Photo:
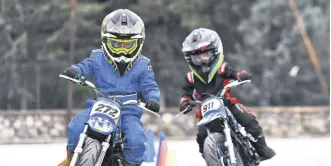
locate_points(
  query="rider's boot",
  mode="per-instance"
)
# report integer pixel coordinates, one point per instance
(262, 148)
(67, 161)
(244, 116)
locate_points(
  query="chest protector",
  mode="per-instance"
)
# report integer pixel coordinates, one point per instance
(218, 82)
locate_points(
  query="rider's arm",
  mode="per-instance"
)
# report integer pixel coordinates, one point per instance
(188, 88)
(231, 73)
(150, 89)
(85, 67)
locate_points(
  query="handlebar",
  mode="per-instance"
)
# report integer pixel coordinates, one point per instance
(140, 105)
(230, 85)
(84, 82)
(186, 110)
(80, 81)
(233, 84)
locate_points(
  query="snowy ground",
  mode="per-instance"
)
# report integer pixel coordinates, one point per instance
(290, 152)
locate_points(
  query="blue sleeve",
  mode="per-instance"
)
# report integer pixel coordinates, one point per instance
(149, 87)
(85, 67)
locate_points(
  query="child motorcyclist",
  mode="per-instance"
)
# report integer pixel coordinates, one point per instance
(119, 70)
(203, 50)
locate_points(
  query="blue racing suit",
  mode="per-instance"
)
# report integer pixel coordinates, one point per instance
(140, 78)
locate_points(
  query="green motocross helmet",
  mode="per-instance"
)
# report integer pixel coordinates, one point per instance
(203, 51)
(123, 34)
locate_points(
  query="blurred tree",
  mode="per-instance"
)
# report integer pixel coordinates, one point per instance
(35, 44)
(273, 45)
(258, 35)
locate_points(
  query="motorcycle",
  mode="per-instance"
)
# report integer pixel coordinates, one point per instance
(227, 143)
(100, 144)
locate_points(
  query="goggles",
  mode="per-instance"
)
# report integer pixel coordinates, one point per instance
(122, 46)
(205, 57)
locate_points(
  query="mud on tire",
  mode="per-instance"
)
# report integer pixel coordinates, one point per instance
(90, 153)
(211, 143)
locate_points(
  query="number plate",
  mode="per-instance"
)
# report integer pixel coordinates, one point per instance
(107, 108)
(210, 105)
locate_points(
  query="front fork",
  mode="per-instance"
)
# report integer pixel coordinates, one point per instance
(105, 145)
(228, 142)
(79, 148)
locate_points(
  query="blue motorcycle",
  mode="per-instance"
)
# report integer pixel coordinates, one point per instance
(100, 144)
(227, 143)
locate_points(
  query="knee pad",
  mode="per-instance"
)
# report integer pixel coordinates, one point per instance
(254, 129)
(242, 117)
(243, 109)
(89, 102)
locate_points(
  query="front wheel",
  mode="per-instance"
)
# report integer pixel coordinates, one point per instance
(214, 149)
(90, 153)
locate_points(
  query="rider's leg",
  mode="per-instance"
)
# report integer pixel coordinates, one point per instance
(248, 120)
(201, 136)
(134, 136)
(75, 127)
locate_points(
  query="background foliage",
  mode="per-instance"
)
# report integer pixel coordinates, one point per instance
(260, 36)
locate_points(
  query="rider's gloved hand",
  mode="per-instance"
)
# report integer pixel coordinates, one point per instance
(71, 72)
(153, 105)
(184, 105)
(243, 75)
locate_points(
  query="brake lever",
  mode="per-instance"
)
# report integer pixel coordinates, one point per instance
(188, 109)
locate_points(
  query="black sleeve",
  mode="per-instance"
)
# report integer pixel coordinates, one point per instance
(230, 72)
(188, 89)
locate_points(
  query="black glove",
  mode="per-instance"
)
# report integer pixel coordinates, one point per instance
(71, 72)
(243, 75)
(153, 105)
(184, 105)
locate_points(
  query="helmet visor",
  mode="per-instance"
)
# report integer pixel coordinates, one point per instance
(205, 57)
(124, 47)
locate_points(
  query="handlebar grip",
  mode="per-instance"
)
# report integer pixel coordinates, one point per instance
(189, 109)
(193, 103)
(185, 111)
